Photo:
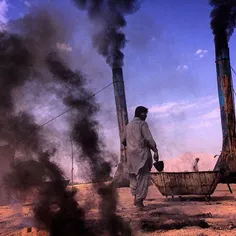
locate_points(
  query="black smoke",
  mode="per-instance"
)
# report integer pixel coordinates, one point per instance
(108, 17)
(55, 206)
(85, 134)
(223, 21)
(16, 68)
(16, 64)
(84, 125)
(114, 224)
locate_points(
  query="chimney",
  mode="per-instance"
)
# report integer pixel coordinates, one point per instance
(227, 109)
(121, 107)
(122, 116)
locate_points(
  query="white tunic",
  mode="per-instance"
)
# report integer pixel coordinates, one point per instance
(195, 166)
(139, 141)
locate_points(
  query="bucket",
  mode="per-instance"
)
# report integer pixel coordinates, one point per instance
(159, 165)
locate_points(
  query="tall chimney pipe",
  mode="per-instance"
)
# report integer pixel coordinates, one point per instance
(227, 159)
(122, 116)
(121, 107)
(119, 91)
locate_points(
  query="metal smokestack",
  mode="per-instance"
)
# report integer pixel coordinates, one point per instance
(122, 117)
(119, 91)
(227, 109)
(120, 99)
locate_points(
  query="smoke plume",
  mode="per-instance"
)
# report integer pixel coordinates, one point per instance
(16, 68)
(55, 206)
(114, 224)
(108, 19)
(84, 132)
(84, 126)
(223, 20)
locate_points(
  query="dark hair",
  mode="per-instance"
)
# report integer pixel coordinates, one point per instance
(139, 110)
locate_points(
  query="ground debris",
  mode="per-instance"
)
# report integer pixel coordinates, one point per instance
(160, 218)
(203, 215)
(151, 225)
(179, 216)
(228, 226)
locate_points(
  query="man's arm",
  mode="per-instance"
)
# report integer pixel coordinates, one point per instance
(148, 137)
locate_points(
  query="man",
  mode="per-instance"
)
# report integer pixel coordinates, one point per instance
(195, 165)
(138, 141)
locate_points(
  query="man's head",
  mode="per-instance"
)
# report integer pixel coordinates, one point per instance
(197, 159)
(141, 112)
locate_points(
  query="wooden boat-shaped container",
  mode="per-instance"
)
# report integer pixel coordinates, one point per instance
(186, 183)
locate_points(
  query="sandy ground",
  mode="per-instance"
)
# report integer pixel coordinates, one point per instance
(185, 216)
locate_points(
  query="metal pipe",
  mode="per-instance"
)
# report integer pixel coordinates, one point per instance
(121, 175)
(121, 107)
(227, 109)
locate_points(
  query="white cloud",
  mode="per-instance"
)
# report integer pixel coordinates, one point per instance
(201, 124)
(197, 110)
(188, 120)
(171, 107)
(183, 117)
(182, 68)
(27, 3)
(212, 115)
(200, 103)
(208, 119)
(64, 47)
(201, 52)
(208, 100)
(3, 13)
(162, 108)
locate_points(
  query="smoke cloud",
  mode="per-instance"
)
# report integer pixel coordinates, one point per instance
(22, 61)
(84, 131)
(223, 20)
(108, 19)
(114, 224)
(84, 126)
(20, 130)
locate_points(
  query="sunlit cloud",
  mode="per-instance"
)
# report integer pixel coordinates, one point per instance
(201, 52)
(182, 68)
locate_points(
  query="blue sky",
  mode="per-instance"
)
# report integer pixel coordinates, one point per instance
(169, 67)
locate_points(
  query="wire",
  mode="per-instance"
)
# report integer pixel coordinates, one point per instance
(235, 74)
(233, 70)
(66, 111)
(72, 162)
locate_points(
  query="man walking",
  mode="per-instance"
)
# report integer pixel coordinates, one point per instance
(138, 141)
(195, 165)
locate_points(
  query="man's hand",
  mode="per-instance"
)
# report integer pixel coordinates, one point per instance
(124, 142)
(156, 156)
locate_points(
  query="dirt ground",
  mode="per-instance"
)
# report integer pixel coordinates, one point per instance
(180, 216)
